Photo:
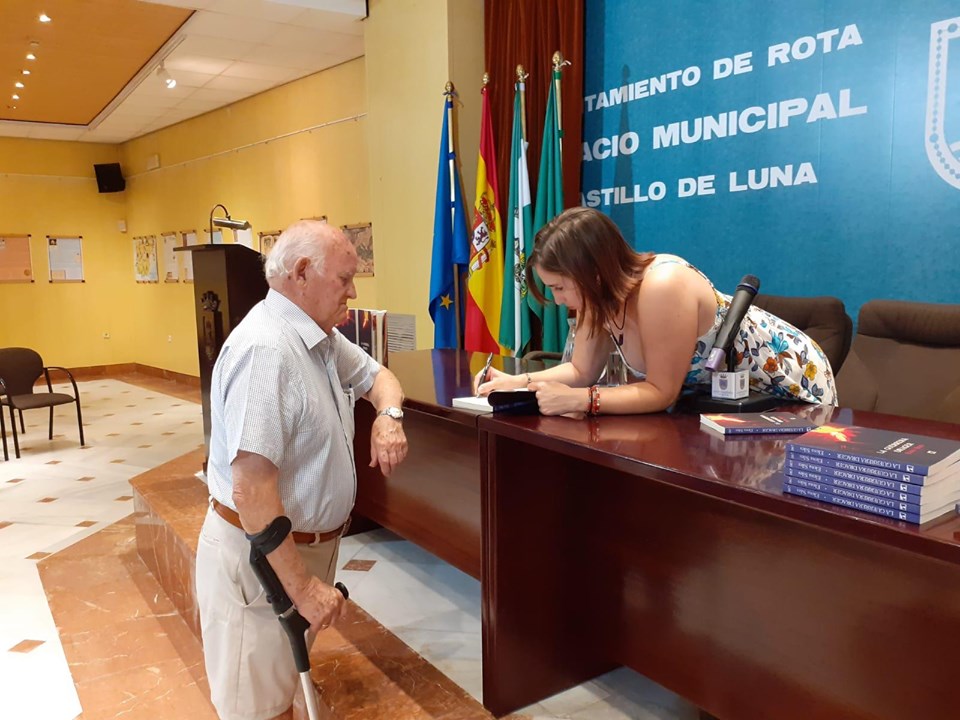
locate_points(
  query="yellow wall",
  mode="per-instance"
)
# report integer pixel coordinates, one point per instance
(373, 159)
(413, 49)
(48, 188)
(307, 174)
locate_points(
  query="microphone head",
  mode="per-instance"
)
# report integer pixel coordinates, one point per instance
(750, 283)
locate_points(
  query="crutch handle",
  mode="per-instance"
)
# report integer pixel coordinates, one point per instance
(293, 623)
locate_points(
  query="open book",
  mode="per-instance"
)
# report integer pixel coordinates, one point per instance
(515, 402)
(472, 403)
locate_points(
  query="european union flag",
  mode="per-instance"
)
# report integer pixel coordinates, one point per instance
(450, 244)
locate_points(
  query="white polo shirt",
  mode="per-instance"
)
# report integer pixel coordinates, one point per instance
(284, 389)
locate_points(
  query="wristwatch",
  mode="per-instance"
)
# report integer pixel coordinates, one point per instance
(393, 412)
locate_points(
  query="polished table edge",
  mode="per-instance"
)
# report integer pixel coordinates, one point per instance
(845, 521)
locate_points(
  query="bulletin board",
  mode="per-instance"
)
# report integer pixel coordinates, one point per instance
(66, 258)
(267, 241)
(361, 236)
(171, 268)
(145, 259)
(15, 263)
(189, 237)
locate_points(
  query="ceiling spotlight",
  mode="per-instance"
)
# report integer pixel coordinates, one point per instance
(18, 84)
(165, 77)
(25, 72)
(44, 18)
(31, 56)
(15, 97)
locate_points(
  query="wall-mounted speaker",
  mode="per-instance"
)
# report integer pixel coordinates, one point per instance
(109, 178)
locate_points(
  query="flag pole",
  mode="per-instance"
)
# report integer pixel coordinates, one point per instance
(450, 92)
(522, 86)
(558, 63)
(521, 81)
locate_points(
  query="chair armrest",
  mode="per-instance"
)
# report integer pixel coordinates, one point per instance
(46, 373)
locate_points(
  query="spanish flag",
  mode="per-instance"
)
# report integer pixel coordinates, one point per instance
(485, 269)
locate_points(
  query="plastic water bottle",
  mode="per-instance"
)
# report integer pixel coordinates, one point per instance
(568, 345)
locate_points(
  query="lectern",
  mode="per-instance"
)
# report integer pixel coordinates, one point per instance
(227, 281)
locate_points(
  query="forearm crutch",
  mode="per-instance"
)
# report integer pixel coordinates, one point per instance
(293, 623)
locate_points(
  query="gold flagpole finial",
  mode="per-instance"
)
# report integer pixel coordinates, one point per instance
(448, 88)
(486, 79)
(521, 75)
(558, 61)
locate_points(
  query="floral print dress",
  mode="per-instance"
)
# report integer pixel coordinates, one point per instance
(781, 359)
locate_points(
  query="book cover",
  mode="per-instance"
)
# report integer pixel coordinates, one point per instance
(877, 496)
(514, 402)
(797, 466)
(756, 423)
(828, 497)
(861, 469)
(904, 452)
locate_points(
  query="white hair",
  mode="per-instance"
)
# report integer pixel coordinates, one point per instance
(300, 240)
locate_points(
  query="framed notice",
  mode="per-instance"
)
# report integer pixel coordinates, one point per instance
(145, 259)
(267, 241)
(171, 268)
(362, 238)
(188, 237)
(66, 258)
(15, 259)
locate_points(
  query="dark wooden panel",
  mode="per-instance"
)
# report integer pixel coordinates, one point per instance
(546, 626)
(433, 497)
(652, 544)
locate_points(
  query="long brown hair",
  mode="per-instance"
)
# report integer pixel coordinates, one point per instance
(588, 247)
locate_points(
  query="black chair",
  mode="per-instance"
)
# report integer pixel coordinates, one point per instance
(542, 355)
(20, 368)
(3, 425)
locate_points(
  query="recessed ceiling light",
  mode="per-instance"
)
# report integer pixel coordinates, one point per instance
(16, 97)
(25, 72)
(18, 84)
(31, 56)
(44, 17)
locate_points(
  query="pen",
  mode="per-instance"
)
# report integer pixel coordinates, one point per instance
(483, 373)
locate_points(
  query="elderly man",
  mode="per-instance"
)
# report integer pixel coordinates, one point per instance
(282, 398)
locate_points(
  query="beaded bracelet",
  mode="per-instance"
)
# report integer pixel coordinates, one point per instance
(594, 408)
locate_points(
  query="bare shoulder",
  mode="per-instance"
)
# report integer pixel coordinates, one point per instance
(670, 275)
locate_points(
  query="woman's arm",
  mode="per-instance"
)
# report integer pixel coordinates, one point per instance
(668, 316)
(589, 356)
(668, 313)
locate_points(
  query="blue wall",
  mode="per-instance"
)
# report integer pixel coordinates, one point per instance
(881, 219)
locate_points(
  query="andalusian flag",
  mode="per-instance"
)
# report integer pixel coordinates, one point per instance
(449, 240)
(485, 278)
(514, 312)
(549, 205)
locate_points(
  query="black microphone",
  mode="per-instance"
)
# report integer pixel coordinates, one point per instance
(742, 299)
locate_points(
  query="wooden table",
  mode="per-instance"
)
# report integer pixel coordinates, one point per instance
(644, 541)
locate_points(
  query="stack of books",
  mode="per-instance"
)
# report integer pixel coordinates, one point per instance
(898, 475)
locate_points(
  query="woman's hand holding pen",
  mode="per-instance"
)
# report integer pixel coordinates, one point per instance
(497, 380)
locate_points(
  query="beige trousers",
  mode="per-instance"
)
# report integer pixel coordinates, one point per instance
(247, 655)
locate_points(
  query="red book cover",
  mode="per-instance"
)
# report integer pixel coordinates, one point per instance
(902, 451)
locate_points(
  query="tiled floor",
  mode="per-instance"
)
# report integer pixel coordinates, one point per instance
(58, 494)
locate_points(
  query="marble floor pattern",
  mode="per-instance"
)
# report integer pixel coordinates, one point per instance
(58, 494)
